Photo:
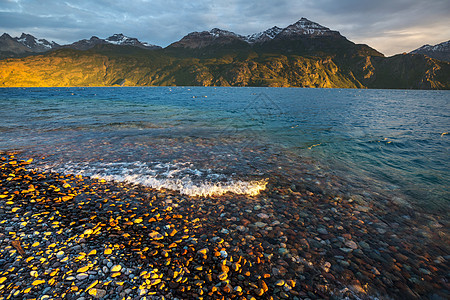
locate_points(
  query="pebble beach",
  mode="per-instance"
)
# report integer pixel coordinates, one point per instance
(66, 236)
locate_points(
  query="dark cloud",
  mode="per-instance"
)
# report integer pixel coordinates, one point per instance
(389, 26)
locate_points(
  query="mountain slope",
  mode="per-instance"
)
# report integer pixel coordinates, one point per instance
(107, 65)
(24, 45)
(403, 71)
(264, 36)
(304, 38)
(304, 54)
(102, 66)
(9, 46)
(440, 51)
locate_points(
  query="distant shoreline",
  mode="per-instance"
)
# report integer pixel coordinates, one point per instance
(193, 86)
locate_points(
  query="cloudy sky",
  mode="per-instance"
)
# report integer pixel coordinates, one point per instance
(390, 26)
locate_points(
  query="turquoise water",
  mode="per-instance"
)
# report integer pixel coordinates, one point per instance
(206, 140)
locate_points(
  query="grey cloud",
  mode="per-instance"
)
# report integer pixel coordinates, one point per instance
(383, 24)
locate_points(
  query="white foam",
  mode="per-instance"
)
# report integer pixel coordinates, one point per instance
(181, 177)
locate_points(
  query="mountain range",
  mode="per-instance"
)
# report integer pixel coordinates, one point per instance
(302, 28)
(27, 44)
(304, 54)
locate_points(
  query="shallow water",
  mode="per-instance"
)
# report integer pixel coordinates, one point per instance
(376, 143)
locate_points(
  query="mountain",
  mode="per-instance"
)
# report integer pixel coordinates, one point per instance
(120, 39)
(24, 45)
(302, 38)
(304, 54)
(116, 39)
(10, 45)
(215, 36)
(86, 44)
(305, 27)
(300, 29)
(36, 45)
(264, 36)
(27, 44)
(440, 51)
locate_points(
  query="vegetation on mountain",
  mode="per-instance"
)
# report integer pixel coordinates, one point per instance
(304, 54)
(109, 65)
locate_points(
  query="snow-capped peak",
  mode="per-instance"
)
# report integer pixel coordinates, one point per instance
(302, 27)
(445, 46)
(216, 32)
(440, 51)
(122, 40)
(36, 45)
(307, 27)
(263, 36)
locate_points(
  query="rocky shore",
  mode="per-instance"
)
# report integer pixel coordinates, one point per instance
(71, 237)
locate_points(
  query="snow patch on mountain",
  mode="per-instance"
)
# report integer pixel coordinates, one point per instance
(440, 51)
(306, 27)
(36, 45)
(303, 27)
(442, 47)
(263, 36)
(122, 40)
(216, 33)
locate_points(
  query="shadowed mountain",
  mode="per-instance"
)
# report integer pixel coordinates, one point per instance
(27, 45)
(304, 54)
(440, 51)
(116, 39)
(24, 45)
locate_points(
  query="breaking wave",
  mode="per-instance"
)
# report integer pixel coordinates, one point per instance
(182, 177)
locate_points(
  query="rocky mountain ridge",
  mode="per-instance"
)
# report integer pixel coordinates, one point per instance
(306, 27)
(116, 39)
(24, 45)
(440, 51)
(304, 54)
(301, 29)
(27, 44)
(36, 45)
(263, 36)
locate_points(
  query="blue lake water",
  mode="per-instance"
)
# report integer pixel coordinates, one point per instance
(203, 140)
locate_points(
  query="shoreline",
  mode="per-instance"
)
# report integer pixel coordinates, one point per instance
(72, 237)
(216, 86)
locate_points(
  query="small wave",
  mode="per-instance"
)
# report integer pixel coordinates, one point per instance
(182, 177)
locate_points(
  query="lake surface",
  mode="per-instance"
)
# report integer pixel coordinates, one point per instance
(377, 144)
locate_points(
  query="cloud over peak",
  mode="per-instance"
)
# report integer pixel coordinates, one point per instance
(389, 26)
